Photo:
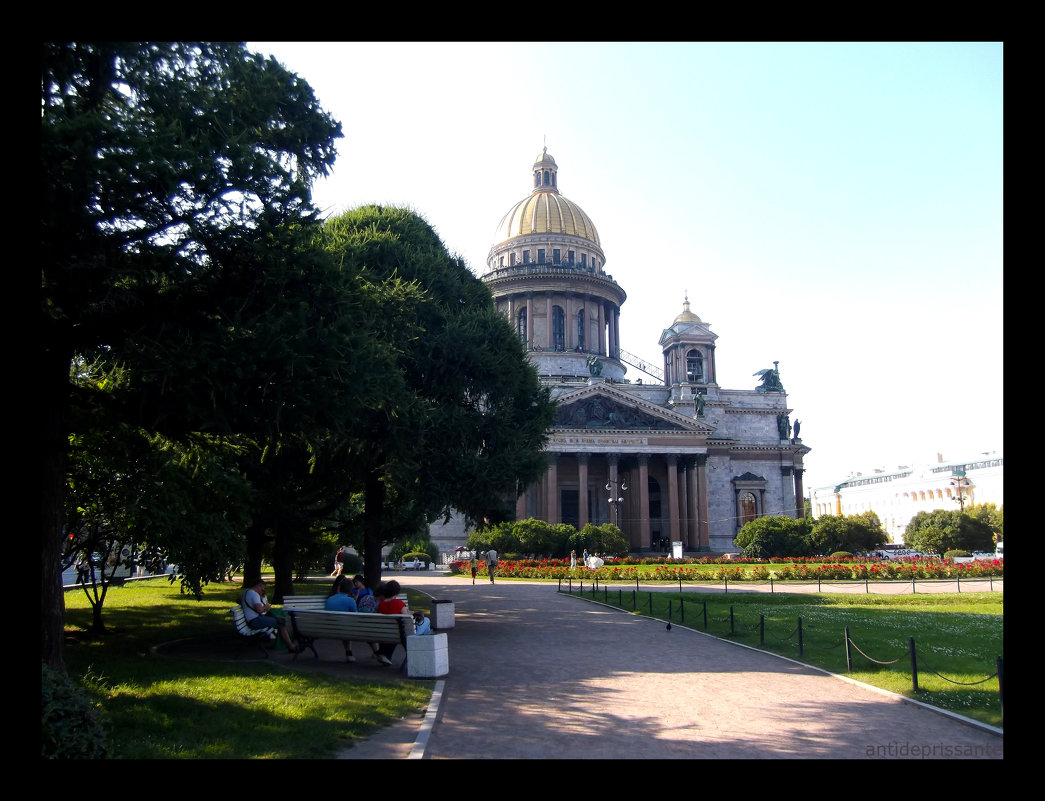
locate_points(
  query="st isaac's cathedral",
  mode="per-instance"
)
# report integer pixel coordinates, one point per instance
(670, 457)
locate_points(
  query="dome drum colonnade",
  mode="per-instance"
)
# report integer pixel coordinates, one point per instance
(546, 274)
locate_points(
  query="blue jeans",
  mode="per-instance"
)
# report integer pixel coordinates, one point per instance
(266, 622)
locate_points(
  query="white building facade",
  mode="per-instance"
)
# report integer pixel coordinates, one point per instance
(898, 496)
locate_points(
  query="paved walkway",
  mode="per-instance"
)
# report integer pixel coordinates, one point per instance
(535, 674)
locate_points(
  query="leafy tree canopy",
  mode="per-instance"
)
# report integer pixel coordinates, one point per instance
(766, 537)
(467, 422)
(853, 533)
(948, 530)
(172, 174)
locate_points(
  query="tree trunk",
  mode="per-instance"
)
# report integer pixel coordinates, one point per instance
(374, 503)
(97, 626)
(283, 564)
(55, 388)
(255, 547)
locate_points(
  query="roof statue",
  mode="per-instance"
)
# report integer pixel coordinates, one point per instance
(770, 380)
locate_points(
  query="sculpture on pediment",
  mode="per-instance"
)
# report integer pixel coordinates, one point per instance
(600, 412)
(595, 366)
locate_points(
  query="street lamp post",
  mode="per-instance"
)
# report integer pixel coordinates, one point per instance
(616, 490)
(962, 486)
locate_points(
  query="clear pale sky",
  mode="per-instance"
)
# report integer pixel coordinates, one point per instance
(836, 207)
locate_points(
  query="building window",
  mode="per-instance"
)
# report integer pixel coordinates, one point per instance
(511, 259)
(580, 330)
(569, 256)
(748, 508)
(526, 257)
(584, 260)
(521, 325)
(540, 255)
(558, 328)
(695, 367)
(556, 256)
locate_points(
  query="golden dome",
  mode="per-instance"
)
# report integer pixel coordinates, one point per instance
(545, 211)
(686, 316)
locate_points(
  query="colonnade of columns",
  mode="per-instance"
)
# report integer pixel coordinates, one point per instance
(606, 339)
(683, 513)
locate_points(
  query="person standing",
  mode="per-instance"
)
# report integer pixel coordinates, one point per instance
(475, 567)
(491, 563)
(573, 560)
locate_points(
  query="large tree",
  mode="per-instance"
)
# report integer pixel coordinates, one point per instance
(172, 177)
(943, 530)
(466, 424)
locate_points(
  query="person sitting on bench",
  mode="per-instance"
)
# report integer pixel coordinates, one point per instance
(256, 611)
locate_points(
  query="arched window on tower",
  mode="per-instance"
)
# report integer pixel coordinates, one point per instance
(695, 367)
(580, 330)
(558, 328)
(520, 324)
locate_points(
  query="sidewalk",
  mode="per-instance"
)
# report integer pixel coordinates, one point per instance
(538, 675)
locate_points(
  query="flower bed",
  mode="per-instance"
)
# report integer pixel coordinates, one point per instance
(707, 569)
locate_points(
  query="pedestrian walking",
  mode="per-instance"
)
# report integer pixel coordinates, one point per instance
(491, 563)
(475, 567)
(339, 562)
(573, 560)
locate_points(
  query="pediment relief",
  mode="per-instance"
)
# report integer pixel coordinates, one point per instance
(601, 409)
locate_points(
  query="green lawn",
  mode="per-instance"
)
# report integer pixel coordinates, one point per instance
(957, 637)
(160, 707)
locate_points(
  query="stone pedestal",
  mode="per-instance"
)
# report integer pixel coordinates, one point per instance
(427, 656)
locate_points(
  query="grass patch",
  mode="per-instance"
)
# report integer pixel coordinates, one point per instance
(160, 707)
(958, 637)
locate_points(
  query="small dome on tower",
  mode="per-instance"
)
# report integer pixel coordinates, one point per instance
(686, 316)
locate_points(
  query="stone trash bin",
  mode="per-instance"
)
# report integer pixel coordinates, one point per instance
(442, 615)
(427, 656)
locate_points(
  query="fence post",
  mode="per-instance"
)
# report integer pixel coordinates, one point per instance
(959, 583)
(799, 636)
(1001, 684)
(770, 585)
(634, 600)
(726, 581)
(914, 590)
(620, 597)
(731, 621)
(651, 603)
(680, 582)
(867, 588)
(914, 667)
(848, 653)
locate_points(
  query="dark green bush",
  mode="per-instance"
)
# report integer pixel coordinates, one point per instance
(71, 727)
